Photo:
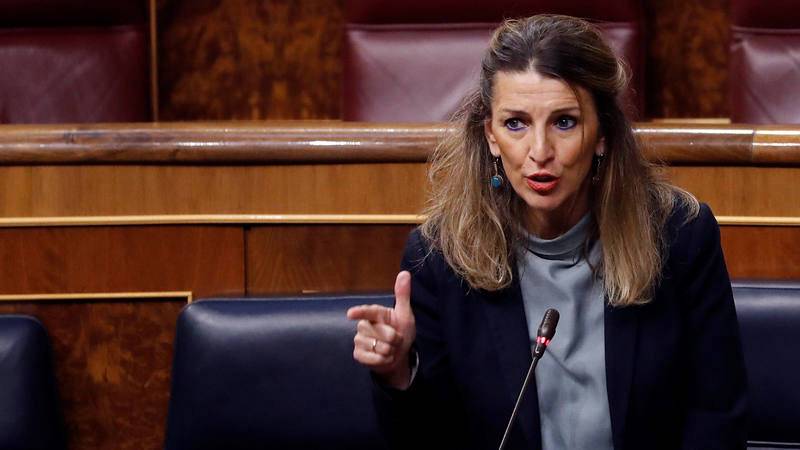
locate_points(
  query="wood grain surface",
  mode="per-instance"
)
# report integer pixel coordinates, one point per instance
(70, 191)
(324, 258)
(762, 252)
(112, 363)
(113, 357)
(687, 58)
(742, 191)
(249, 59)
(124, 190)
(205, 260)
(281, 59)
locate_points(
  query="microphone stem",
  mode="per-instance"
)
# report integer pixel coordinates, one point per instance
(519, 400)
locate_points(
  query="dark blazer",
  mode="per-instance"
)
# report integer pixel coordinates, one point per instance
(674, 367)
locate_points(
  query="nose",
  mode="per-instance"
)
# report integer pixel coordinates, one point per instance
(540, 148)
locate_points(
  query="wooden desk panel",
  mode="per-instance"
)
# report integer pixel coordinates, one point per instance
(762, 252)
(103, 190)
(112, 363)
(324, 258)
(742, 191)
(206, 260)
(113, 355)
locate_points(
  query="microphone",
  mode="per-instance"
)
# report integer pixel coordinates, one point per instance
(545, 333)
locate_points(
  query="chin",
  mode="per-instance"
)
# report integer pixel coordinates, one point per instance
(543, 203)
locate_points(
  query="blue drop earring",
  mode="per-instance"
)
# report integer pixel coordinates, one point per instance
(496, 181)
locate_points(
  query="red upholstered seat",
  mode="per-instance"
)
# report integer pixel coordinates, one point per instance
(765, 61)
(74, 61)
(415, 60)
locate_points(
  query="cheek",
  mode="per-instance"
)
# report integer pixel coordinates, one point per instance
(575, 158)
(512, 153)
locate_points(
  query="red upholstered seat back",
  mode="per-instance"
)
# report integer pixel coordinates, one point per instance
(765, 61)
(74, 61)
(415, 60)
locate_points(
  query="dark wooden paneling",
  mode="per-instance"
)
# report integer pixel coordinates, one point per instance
(113, 358)
(762, 252)
(112, 362)
(325, 258)
(206, 260)
(687, 58)
(271, 59)
(249, 59)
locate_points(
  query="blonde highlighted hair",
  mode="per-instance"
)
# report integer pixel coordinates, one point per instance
(478, 229)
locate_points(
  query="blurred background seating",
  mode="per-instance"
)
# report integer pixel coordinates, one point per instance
(414, 61)
(30, 414)
(74, 61)
(765, 61)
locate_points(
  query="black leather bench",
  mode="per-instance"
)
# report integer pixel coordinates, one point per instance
(30, 417)
(270, 373)
(769, 319)
(279, 373)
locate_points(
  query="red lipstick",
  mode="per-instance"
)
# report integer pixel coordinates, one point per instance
(542, 182)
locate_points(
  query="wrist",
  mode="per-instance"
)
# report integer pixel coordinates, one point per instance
(399, 377)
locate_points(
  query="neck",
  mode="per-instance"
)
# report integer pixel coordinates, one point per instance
(552, 224)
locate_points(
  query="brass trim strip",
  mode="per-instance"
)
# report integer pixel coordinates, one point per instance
(300, 219)
(189, 219)
(763, 221)
(96, 296)
(693, 120)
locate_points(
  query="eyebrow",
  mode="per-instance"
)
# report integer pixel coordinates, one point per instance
(519, 112)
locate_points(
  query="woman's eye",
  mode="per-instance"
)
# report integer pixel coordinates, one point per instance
(514, 124)
(566, 122)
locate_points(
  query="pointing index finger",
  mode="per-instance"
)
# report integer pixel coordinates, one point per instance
(372, 313)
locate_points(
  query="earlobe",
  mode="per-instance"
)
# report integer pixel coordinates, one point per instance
(487, 131)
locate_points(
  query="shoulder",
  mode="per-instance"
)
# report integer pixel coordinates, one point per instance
(426, 262)
(684, 222)
(691, 233)
(420, 255)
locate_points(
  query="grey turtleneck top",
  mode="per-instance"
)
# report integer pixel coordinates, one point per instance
(571, 376)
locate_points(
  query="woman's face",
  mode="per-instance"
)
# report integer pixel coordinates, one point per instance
(545, 137)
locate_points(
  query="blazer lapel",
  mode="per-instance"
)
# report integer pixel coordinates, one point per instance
(621, 326)
(505, 314)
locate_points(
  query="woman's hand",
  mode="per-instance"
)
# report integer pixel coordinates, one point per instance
(385, 335)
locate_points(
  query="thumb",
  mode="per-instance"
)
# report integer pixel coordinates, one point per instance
(402, 295)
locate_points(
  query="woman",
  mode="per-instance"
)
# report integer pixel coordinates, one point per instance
(543, 199)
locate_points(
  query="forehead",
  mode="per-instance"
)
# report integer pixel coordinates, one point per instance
(531, 89)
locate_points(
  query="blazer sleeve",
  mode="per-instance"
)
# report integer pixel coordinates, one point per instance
(428, 413)
(715, 372)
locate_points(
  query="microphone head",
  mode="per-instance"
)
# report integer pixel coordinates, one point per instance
(548, 327)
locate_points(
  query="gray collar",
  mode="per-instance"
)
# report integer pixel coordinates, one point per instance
(563, 247)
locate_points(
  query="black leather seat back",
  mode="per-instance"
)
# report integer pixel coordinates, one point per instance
(270, 373)
(30, 416)
(769, 319)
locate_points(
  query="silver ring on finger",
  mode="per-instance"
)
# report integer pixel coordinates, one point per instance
(374, 344)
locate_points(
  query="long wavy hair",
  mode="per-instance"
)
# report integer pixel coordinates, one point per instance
(478, 229)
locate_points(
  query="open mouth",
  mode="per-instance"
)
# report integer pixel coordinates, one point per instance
(542, 183)
(543, 178)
